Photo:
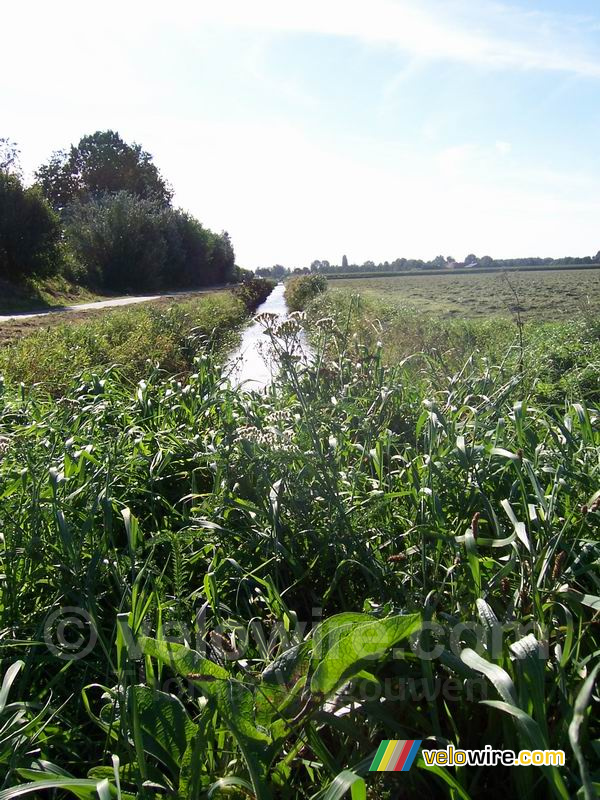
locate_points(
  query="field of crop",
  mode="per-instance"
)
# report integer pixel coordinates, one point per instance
(208, 593)
(542, 294)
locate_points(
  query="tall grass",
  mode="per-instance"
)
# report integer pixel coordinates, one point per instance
(167, 335)
(221, 593)
(559, 359)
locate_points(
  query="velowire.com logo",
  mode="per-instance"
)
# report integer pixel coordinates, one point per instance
(395, 755)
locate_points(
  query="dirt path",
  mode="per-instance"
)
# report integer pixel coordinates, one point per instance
(100, 304)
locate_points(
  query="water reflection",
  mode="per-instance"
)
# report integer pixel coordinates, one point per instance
(251, 365)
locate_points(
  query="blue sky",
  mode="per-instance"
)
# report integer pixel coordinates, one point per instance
(377, 129)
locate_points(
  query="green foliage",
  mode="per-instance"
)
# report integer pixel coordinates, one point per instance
(272, 583)
(195, 255)
(128, 338)
(9, 157)
(127, 243)
(119, 240)
(102, 163)
(560, 359)
(277, 272)
(29, 232)
(119, 231)
(301, 290)
(253, 291)
(252, 708)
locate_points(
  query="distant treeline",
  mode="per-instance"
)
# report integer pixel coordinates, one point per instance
(278, 273)
(100, 213)
(448, 263)
(387, 268)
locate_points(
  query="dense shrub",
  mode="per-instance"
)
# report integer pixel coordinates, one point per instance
(128, 243)
(101, 214)
(168, 334)
(300, 291)
(29, 232)
(296, 539)
(118, 240)
(254, 291)
(190, 250)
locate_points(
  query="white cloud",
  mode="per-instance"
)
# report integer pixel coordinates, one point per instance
(486, 33)
(503, 148)
(428, 29)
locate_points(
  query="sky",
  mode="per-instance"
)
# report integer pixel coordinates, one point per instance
(308, 130)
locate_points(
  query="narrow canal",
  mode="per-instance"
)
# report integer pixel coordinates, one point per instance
(251, 365)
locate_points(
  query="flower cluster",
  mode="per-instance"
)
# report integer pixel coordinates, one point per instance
(4, 446)
(275, 433)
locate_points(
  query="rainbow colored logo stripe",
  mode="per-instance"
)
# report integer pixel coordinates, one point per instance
(395, 755)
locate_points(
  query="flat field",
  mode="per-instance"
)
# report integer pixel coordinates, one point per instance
(543, 294)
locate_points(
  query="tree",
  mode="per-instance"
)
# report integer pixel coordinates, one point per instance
(278, 271)
(222, 259)
(102, 163)
(190, 249)
(344, 262)
(471, 259)
(129, 243)
(9, 157)
(120, 242)
(29, 232)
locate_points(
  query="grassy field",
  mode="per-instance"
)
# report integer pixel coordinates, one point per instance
(541, 294)
(44, 294)
(208, 593)
(49, 350)
(16, 329)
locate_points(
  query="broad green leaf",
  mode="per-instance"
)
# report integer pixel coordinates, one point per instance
(182, 660)
(165, 725)
(362, 641)
(232, 699)
(281, 682)
(330, 630)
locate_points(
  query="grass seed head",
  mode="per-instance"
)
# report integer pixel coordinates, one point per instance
(558, 565)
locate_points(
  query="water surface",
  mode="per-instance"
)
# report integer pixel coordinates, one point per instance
(251, 365)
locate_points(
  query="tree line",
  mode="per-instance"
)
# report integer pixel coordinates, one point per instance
(101, 214)
(279, 273)
(447, 262)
